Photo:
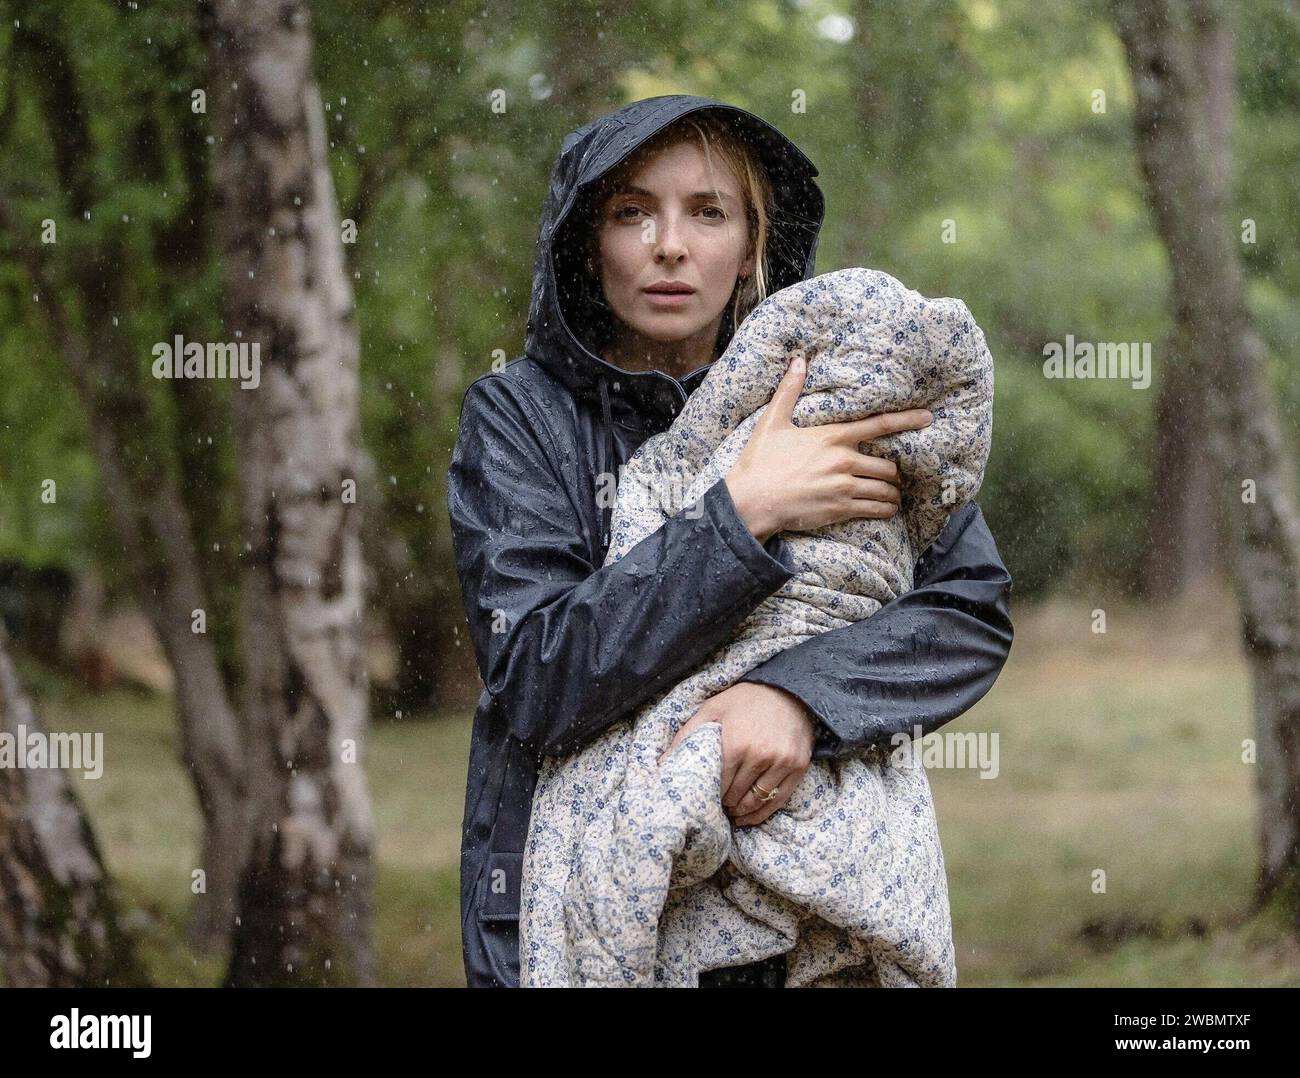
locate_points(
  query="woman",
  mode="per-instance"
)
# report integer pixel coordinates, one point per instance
(665, 223)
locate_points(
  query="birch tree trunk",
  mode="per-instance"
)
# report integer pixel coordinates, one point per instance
(58, 912)
(1182, 137)
(306, 892)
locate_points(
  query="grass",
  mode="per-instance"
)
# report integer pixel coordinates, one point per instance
(146, 821)
(1119, 753)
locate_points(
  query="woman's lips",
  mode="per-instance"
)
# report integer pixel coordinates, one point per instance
(668, 299)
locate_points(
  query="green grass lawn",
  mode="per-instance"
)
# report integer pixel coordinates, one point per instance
(147, 823)
(1119, 753)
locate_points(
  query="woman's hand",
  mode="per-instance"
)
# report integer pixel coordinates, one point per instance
(767, 738)
(790, 478)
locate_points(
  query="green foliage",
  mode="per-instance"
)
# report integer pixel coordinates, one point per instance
(969, 111)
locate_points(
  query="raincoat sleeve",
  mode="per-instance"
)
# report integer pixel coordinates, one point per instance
(920, 660)
(568, 646)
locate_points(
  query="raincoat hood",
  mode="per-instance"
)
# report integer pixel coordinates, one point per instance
(587, 154)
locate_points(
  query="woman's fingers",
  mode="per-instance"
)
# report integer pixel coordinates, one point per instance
(745, 775)
(854, 431)
(788, 391)
(874, 510)
(875, 490)
(752, 809)
(869, 467)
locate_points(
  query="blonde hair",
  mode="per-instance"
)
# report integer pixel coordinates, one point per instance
(756, 190)
(716, 136)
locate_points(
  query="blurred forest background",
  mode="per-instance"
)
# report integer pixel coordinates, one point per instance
(1016, 123)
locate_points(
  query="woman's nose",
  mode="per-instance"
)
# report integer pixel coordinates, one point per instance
(668, 242)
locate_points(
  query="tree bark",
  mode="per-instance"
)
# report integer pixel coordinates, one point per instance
(1184, 528)
(1183, 535)
(58, 911)
(305, 898)
(1181, 143)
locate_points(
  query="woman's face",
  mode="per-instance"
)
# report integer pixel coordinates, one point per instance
(665, 223)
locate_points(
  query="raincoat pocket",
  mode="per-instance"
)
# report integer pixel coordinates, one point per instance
(499, 898)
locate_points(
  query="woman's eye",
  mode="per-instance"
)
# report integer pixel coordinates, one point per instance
(722, 214)
(623, 209)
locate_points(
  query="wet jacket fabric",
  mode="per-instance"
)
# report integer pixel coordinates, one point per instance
(567, 646)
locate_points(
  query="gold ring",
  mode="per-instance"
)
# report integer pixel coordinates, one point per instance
(763, 795)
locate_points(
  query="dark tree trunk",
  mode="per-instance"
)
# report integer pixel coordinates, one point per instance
(1183, 536)
(1182, 531)
(1181, 143)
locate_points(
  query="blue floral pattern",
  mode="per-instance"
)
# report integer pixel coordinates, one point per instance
(633, 873)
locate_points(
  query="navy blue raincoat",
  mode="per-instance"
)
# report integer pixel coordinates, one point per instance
(566, 647)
